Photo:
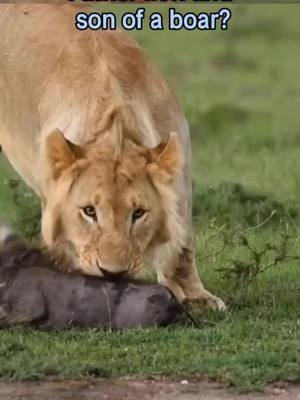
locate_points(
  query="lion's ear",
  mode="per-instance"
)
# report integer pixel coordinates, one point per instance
(165, 159)
(61, 153)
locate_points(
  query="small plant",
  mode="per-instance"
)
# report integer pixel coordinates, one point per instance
(258, 260)
(253, 259)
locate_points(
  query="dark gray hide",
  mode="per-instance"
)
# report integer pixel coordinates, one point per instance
(34, 294)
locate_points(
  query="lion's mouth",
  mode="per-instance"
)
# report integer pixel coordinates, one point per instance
(118, 275)
(114, 275)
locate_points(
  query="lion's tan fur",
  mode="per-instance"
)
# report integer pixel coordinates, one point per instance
(118, 114)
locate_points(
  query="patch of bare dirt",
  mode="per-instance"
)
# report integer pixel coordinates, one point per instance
(132, 389)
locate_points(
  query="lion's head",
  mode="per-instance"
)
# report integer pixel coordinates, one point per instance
(108, 208)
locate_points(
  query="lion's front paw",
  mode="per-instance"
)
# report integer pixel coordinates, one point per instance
(215, 303)
(208, 300)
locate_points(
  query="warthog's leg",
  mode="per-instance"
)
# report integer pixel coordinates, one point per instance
(3, 313)
(22, 309)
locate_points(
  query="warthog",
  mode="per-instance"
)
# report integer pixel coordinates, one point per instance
(34, 293)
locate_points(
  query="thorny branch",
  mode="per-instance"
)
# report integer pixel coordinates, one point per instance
(246, 271)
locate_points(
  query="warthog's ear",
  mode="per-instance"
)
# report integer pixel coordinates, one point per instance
(165, 159)
(60, 153)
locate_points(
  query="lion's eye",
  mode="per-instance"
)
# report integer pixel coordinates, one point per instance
(138, 213)
(90, 211)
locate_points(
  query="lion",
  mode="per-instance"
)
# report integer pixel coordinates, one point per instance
(92, 127)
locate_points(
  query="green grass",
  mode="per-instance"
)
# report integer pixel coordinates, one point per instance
(241, 92)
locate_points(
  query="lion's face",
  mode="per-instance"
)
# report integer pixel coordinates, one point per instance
(107, 211)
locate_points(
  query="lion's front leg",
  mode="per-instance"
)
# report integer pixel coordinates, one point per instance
(180, 275)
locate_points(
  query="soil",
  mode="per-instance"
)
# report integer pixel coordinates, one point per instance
(135, 389)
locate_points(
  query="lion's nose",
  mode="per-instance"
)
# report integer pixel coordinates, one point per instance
(114, 275)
